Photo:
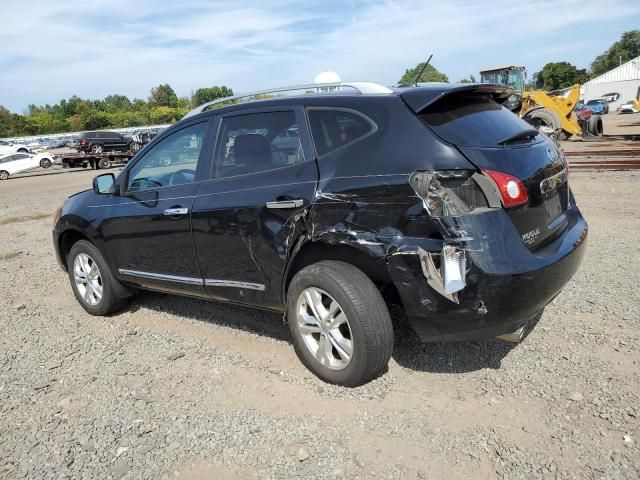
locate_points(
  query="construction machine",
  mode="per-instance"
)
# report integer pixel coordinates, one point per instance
(551, 114)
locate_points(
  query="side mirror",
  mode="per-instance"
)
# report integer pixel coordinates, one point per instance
(104, 184)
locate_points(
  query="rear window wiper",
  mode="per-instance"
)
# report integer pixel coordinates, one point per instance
(522, 135)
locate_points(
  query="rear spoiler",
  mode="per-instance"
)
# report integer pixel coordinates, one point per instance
(419, 98)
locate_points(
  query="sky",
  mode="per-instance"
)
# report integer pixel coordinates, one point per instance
(92, 48)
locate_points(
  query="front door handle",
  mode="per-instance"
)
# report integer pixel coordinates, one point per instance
(176, 211)
(286, 204)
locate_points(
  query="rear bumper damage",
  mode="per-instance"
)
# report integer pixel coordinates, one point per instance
(484, 286)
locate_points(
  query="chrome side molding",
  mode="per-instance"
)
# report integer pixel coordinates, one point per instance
(162, 276)
(211, 282)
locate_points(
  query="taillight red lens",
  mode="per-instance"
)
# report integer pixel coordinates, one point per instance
(511, 189)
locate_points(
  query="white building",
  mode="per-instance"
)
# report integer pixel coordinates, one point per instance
(618, 85)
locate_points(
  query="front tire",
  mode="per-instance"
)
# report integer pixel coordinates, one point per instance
(91, 280)
(45, 163)
(4, 174)
(339, 322)
(23, 150)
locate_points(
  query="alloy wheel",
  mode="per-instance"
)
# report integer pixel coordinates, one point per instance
(324, 328)
(88, 279)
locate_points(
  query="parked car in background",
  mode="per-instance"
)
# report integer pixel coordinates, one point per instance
(13, 163)
(628, 107)
(434, 200)
(98, 142)
(605, 104)
(598, 106)
(9, 147)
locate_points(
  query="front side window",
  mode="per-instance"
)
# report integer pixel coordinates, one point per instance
(171, 162)
(257, 142)
(332, 129)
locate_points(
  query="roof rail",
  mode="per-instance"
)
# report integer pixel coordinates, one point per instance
(364, 88)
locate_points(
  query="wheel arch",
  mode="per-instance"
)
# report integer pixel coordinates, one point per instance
(307, 252)
(67, 239)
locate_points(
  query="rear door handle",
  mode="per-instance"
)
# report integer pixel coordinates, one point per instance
(286, 204)
(176, 211)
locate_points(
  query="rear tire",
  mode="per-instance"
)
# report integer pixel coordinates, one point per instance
(104, 163)
(4, 174)
(364, 332)
(594, 127)
(544, 120)
(23, 150)
(91, 280)
(96, 148)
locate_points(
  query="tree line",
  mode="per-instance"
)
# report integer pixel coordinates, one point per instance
(114, 111)
(164, 106)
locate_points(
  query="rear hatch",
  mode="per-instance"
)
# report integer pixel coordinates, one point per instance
(494, 139)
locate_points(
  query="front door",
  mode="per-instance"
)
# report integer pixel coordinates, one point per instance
(147, 229)
(244, 219)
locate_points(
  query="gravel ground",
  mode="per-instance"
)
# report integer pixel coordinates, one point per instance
(180, 388)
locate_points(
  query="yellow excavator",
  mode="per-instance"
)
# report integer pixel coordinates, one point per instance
(551, 114)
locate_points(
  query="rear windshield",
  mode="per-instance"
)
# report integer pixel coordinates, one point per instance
(472, 120)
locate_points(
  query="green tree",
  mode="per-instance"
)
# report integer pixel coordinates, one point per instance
(557, 75)
(625, 49)
(204, 95)
(163, 96)
(6, 122)
(114, 103)
(430, 74)
(164, 114)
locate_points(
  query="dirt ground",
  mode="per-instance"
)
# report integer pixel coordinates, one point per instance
(180, 388)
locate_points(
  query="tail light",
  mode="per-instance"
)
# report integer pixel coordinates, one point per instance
(511, 189)
(83, 141)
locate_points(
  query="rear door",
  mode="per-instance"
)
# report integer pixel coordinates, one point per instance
(495, 139)
(246, 218)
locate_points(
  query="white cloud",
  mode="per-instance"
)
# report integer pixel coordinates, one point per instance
(55, 49)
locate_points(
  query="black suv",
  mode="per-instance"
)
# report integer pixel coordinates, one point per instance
(98, 142)
(434, 198)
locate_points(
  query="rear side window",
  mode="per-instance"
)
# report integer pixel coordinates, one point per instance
(332, 129)
(472, 120)
(257, 142)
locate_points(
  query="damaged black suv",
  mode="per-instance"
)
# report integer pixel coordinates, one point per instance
(330, 204)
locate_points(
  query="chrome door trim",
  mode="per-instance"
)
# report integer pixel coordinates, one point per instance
(161, 276)
(211, 282)
(176, 211)
(285, 204)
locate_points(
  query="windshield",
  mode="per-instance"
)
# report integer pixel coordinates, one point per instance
(594, 102)
(512, 78)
